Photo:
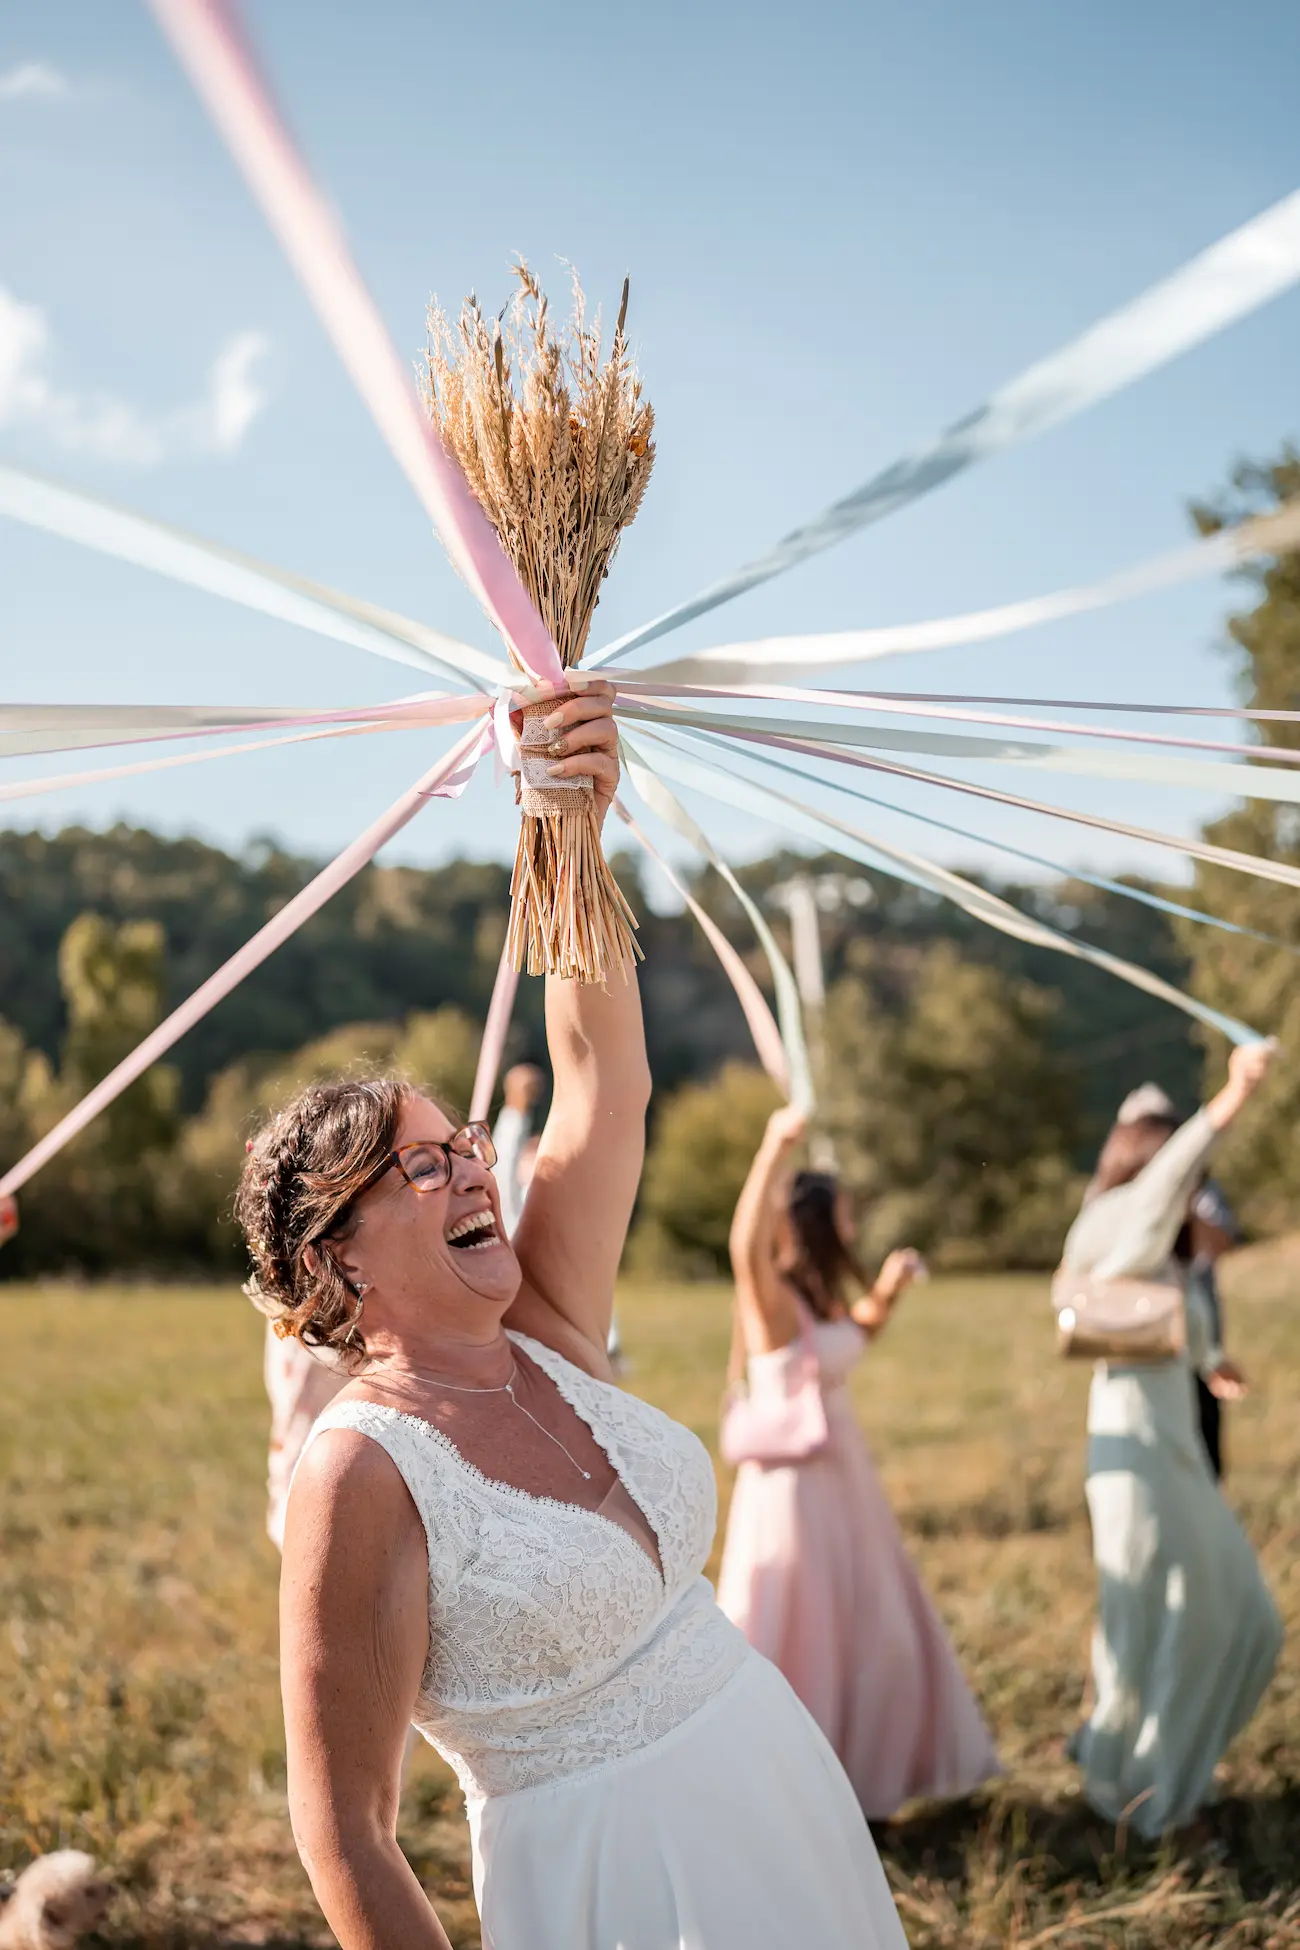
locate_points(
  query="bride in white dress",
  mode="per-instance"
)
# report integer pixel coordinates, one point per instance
(488, 1539)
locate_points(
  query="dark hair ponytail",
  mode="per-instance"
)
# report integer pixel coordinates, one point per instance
(823, 1267)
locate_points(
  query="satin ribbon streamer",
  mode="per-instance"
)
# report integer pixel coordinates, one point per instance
(1142, 895)
(1243, 711)
(209, 43)
(495, 1031)
(28, 730)
(1219, 856)
(76, 781)
(447, 779)
(656, 795)
(762, 1023)
(719, 782)
(1225, 283)
(185, 558)
(1245, 781)
(766, 657)
(922, 706)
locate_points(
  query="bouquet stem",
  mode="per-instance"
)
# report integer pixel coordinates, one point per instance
(568, 916)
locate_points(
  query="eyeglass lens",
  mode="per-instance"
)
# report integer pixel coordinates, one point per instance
(428, 1166)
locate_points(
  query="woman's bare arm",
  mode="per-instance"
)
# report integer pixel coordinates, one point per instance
(354, 1631)
(571, 1236)
(575, 1221)
(766, 1310)
(873, 1310)
(1247, 1067)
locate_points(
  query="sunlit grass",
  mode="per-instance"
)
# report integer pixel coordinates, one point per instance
(139, 1711)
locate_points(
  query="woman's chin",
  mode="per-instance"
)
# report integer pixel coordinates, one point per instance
(490, 1272)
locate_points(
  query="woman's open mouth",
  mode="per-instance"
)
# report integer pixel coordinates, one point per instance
(472, 1233)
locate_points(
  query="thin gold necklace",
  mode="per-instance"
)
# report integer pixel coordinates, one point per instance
(506, 1387)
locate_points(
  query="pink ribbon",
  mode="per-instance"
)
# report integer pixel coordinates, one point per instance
(403, 714)
(762, 1023)
(445, 780)
(679, 695)
(495, 1030)
(1222, 856)
(208, 40)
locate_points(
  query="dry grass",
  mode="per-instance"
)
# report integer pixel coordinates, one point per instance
(138, 1706)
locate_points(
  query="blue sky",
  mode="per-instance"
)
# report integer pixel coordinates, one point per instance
(845, 224)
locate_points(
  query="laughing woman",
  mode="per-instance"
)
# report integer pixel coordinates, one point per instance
(488, 1539)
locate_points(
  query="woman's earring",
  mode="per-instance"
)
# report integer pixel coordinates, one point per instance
(357, 1312)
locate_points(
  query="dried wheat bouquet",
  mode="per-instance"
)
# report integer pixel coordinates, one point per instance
(555, 444)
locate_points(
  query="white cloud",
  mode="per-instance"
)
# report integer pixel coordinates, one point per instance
(234, 397)
(110, 428)
(34, 81)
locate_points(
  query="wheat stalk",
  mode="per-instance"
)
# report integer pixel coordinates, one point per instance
(556, 445)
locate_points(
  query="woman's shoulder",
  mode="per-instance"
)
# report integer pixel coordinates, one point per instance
(366, 1465)
(359, 1441)
(349, 1469)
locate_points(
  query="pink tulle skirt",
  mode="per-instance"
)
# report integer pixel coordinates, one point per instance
(815, 1574)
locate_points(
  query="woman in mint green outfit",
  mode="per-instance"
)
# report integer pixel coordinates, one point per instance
(1186, 1635)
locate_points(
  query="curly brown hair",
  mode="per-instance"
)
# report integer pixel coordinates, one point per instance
(301, 1175)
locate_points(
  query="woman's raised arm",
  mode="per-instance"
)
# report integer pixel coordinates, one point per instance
(766, 1311)
(570, 1238)
(575, 1219)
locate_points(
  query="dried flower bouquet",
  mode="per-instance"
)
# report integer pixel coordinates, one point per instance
(556, 446)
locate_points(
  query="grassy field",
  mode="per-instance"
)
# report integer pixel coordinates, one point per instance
(139, 1714)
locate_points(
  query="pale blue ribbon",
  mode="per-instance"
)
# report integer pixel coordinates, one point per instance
(1215, 289)
(674, 756)
(1140, 894)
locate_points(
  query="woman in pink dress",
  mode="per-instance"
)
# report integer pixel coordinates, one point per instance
(814, 1570)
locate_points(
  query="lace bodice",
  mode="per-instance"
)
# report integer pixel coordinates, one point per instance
(554, 1643)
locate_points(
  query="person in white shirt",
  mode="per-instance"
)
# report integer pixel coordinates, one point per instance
(298, 1385)
(515, 1146)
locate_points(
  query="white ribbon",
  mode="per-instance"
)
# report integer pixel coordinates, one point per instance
(76, 781)
(1229, 778)
(199, 564)
(1220, 856)
(788, 1008)
(1223, 284)
(446, 779)
(1123, 889)
(779, 809)
(762, 1023)
(768, 657)
(27, 730)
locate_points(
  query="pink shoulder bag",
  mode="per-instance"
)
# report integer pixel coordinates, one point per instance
(785, 1421)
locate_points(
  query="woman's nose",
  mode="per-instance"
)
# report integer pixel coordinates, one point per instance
(466, 1173)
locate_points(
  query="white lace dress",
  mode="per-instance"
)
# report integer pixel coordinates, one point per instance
(637, 1778)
